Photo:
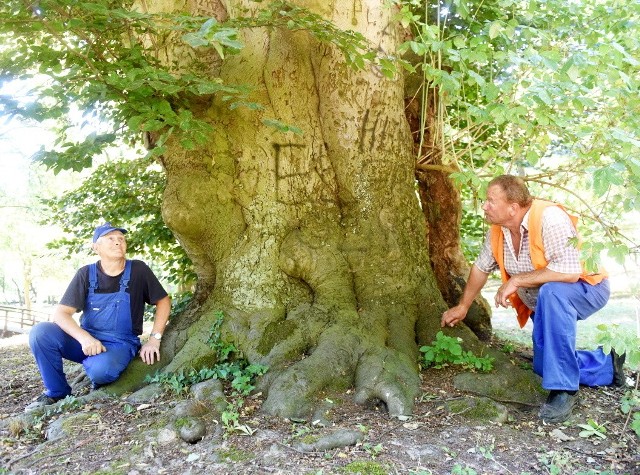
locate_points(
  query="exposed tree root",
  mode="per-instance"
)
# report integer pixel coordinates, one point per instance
(293, 392)
(344, 360)
(389, 376)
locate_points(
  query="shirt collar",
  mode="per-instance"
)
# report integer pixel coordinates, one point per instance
(524, 225)
(525, 220)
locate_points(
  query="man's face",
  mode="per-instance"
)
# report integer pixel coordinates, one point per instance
(497, 210)
(112, 245)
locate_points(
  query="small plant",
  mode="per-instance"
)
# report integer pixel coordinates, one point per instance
(592, 429)
(362, 428)
(68, 403)
(460, 470)
(508, 348)
(178, 382)
(612, 337)
(635, 424)
(373, 450)
(556, 463)
(487, 452)
(300, 431)
(447, 350)
(223, 349)
(428, 397)
(17, 427)
(230, 366)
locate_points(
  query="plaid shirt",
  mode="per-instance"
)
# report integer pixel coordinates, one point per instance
(560, 254)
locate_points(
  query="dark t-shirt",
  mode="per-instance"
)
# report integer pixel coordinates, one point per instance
(144, 288)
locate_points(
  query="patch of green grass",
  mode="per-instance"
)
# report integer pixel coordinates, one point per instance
(365, 467)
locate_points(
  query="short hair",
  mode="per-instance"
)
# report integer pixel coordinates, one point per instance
(514, 188)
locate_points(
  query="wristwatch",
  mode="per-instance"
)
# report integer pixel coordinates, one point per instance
(157, 336)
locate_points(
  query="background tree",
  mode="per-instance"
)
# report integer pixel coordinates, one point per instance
(28, 270)
(288, 156)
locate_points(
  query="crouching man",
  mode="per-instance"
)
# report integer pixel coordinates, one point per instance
(532, 243)
(112, 294)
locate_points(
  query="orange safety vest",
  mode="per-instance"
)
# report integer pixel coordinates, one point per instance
(536, 250)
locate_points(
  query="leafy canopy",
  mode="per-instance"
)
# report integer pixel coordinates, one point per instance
(103, 59)
(548, 89)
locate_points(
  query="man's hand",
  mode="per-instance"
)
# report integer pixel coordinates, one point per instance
(91, 346)
(504, 292)
(454, 315)
(150, 351)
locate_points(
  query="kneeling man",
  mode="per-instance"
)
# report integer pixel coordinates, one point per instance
(533, 243)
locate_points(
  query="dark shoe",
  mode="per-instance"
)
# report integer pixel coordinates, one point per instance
(43, 400)
(619, 379)
(558, 406)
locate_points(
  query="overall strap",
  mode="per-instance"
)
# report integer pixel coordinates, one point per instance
(93, 277)
(124, 281)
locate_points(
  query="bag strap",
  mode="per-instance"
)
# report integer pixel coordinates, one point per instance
(124, 281)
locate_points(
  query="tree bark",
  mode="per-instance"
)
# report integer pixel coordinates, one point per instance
(441, 201)
(313, 245)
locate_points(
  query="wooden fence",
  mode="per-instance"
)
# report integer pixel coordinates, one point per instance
(20, 320)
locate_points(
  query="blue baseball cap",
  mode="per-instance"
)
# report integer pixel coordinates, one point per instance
(106, 228)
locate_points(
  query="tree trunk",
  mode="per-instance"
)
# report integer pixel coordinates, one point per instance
(441, 202)
(443, 211)
(312, 245)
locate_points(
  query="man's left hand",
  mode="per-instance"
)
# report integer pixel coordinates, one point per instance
(504, 292)
(150, 351)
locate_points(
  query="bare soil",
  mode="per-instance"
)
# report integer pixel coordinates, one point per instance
(119, 438)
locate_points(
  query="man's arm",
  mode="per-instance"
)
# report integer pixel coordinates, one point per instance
(474, 285)
(151, 349)
(530, 279)
(63, 317)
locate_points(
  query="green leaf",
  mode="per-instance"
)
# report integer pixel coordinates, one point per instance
(495, 29)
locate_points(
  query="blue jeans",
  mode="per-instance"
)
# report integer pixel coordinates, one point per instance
(559, 307)
(50, 345)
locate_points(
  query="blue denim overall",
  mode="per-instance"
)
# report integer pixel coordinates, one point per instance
(559, 307)
(106, 317)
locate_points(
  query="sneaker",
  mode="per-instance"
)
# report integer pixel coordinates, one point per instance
(619, 379)
(558, 407)
(43, 400)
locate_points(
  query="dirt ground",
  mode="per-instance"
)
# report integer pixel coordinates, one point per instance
(116, 437)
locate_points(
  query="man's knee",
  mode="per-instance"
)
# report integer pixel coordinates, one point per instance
(102, 375)
(551, 289)
(43, 333)
(106, 367)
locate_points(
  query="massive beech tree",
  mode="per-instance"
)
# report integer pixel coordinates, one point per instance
(311, 243)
